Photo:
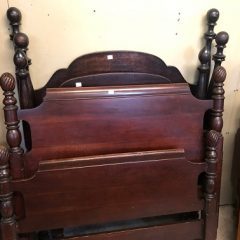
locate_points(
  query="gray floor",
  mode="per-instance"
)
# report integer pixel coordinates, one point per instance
(226, 228)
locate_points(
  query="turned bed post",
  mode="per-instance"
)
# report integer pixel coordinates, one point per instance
(21, 61)
(205, 55)
(13, 136)
(221, 41)
(8, 223)
(213, 156)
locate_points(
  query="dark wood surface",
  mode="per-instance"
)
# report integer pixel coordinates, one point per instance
(113, 68)
(93, 121)
(131, 143)
(105, 189)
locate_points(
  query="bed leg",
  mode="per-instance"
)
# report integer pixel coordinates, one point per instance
(211, 208)
(212, 157)
(7, 224)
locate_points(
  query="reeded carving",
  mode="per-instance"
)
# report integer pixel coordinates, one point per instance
(212, 138)
(13, 136)
(7, 82)
(218, 78)
(210, 187)
(7, 223)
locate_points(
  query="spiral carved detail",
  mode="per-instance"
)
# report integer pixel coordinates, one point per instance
(219, 74)
(4, 155)
(7, 82)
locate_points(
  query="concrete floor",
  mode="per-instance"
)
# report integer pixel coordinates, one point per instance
(226, 227)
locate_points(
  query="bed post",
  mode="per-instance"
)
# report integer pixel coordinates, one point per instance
(221, 40)
(7, 83)
(7, 223)
(213, 157)
(21, 61)
(205, 55)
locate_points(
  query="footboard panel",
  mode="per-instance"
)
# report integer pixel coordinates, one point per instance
(108, 188)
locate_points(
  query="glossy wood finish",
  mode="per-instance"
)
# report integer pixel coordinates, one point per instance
(8, 223)
(112, 69)
(13, 136)
(21, 60)
(105, 189)
(132, 143)
(205, 54)
(236, 181)
(97, 121)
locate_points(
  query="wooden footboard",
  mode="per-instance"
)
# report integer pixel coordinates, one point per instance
(110, 188)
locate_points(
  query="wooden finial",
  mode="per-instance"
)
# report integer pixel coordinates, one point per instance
(21, 41)
(14, 16)
(221, 40)
(21, 60)
(212, 17)
(13, 135)
(202, 85)
(7, 223)
(205, 55)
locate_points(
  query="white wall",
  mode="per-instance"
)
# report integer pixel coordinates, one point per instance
(61, 30)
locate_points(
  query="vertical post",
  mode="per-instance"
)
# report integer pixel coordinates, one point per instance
(212, 139)
(7, 83)
(15, 17)
(212, 17)
(21, 61)
(205, 55)
(221, 40)
(218, 78)
(213, 156)
(7, 223)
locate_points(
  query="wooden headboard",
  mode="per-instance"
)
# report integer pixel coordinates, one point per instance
(115, 137)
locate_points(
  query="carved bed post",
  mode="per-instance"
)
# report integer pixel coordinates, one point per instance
(221, 40)
(21, 61)
(205, 54)
(7, 83)
(213, 156)
(7, 224)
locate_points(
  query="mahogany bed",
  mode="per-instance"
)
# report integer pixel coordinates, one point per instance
(134, 152)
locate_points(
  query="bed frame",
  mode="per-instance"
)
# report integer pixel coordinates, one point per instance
(134, 153)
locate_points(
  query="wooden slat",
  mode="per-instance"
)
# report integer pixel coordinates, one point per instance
(180, 231)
